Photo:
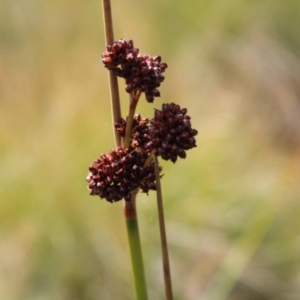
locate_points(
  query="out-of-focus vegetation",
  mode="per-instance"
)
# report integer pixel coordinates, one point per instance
(232, 207)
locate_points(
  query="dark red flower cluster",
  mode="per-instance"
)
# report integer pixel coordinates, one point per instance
(140, 132)
(171, 133)
(115, 175)
(118, 54)
(141, 72)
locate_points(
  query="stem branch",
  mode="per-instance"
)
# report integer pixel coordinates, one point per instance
(134, 99)
(163, 236)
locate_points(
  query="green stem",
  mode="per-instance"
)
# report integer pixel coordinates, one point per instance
(130, 211)
(135, 248)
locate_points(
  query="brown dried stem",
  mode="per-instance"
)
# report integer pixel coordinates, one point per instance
(134, 98)
(113, 81)
(163, 236)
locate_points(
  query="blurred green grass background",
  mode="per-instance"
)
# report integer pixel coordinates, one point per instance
(232, 207)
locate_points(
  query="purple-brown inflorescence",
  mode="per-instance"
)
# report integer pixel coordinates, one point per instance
(118, 54)
(141, 72)
(140, 132)
(171, 132)
(115, 175)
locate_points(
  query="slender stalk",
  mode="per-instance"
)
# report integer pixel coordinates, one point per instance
(134, 99)
(129, 206)
(113, 81)
(163, 236)
(135, 247)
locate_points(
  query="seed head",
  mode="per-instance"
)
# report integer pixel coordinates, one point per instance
(171, 133)
(140, 132)
(115, 175)
(141, 72)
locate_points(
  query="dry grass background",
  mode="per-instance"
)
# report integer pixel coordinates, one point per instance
(232, 207)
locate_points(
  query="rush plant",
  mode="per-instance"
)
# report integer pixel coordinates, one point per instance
(132, 166)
